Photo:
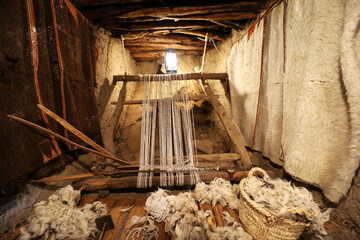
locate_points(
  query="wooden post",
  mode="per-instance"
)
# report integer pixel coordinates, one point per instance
(108, 133)
(229, 125)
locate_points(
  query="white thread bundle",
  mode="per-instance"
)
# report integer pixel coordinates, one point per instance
(166, 101)
(157, 205)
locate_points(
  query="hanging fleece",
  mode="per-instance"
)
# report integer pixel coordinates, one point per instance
(60, 217)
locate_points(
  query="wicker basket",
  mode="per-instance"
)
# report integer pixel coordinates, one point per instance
(261, 224)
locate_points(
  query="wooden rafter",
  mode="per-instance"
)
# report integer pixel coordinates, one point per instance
(162, 12)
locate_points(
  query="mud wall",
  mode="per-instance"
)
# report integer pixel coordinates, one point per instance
(19, 146)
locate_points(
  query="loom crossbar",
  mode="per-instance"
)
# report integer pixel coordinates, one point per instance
(179, 77)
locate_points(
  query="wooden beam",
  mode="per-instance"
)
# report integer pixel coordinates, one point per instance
(229, 125)
(171, 38)
(73, 130)
(217, 16)
(145, 56)
(145, 47)
(159, 25)
(130, 182)
(164, 44)
(202, 33)
(51, 133)
(161, 12)
(140, 101)
(185, 76)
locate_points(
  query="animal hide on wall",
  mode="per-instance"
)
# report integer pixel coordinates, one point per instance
(304, 110)
(244, 66)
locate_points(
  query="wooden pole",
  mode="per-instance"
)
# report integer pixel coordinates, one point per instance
(73, 130)
(229, 125)
(51, 133)
(130, 182)
(179, 77)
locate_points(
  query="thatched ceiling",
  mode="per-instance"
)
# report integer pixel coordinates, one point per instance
(150, 27)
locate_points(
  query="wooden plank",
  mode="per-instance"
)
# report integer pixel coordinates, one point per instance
(207, 207)
(229, 125)
(51, 133)
(218, 210)
(186, 76)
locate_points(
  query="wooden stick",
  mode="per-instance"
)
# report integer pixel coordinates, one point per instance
(72, 129)
(229, 125)
(51, 133)
(180, 77)
(96, 172)
(130, 182)
(61, 178)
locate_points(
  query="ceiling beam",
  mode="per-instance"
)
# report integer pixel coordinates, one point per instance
(202, 33)
(159, 25)
(170, 38)
(162, 12)
(152, 55)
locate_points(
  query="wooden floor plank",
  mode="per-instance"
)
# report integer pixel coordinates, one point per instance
(233, 214)
(86, 200)
(218, 210)
(206, 207)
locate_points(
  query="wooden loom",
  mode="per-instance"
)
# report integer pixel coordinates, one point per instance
(224, 116)
(241, 156)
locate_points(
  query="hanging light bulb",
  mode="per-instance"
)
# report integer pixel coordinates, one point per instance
(170, 61)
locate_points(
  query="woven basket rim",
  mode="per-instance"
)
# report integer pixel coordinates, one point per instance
(270, 216)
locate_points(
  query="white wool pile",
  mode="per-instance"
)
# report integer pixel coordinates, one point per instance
(278, 196)
(218, 191)
(60, 217)
(232, 231)
(184, 220)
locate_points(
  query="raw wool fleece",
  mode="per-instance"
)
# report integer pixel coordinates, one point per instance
(218, 191)
(304, 110)
(60, 216)
(183, 221)
(279, 196)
